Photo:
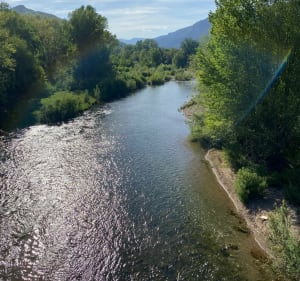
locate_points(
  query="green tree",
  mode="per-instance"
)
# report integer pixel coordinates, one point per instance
(249, 88)
(20, 70)
(189, 46)
(87, 28)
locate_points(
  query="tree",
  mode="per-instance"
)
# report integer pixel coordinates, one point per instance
(20, 69)
(7, 67)
(189, 47)
(249, 88)
(4, 6)
(95, 66)
(87, 28)
(52, 34)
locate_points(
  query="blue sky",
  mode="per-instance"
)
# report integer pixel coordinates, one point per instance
(132, 18)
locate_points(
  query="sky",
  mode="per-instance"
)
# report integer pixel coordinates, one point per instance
(132, 18)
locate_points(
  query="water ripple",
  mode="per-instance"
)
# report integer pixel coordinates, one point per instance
(116, 194)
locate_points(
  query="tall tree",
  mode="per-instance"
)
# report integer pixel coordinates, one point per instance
(87, 28)
(249, 41)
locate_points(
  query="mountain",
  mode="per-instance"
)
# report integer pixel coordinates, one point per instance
(174, 39)
(131, 41)
(21, 9)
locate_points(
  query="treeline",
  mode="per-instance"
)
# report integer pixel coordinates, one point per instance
(52, 69)
(249, 101)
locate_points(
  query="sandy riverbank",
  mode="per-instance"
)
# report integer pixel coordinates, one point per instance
(255, 213)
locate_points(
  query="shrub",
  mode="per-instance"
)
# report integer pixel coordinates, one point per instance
(285, 242)
(182, 75)
(157, 78)
(62, 106)
(249, 184)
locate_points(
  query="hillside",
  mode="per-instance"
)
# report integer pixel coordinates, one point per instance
(21, 9)
(174, 39)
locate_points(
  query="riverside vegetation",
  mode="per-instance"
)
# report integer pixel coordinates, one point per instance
(249, 105)
(53, 69)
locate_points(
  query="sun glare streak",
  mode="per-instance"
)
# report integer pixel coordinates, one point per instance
(266, 90)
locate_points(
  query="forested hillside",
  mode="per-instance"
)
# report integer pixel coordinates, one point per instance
(52, 69)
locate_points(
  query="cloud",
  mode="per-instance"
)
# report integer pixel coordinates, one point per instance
(141, 11)
(132, 18)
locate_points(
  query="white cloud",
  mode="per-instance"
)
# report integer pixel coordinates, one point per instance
(142, 11)
(132, 18)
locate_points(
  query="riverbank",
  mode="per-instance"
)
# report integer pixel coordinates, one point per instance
(256, 213)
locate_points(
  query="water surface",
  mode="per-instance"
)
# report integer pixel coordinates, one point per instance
(118, 194)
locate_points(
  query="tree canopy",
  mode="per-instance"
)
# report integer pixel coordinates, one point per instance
(249, 88)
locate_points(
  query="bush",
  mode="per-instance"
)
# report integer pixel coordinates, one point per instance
(157, 78)
(248, 184)
(62, 106)
(285, 243)
(182, 75)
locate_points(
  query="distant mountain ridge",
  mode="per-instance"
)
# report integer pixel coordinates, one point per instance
(21, 9)
(174, 39)
(131, 41)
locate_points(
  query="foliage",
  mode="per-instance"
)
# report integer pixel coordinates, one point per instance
(20, 70)
(285, 242)
(249, 98)
(231, 76)
(87, 28)
(248, 184)
(62, 106)
(183, 75)
(187, 49)
(40, 56)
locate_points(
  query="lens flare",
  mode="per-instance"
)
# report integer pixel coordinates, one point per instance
(266, 90)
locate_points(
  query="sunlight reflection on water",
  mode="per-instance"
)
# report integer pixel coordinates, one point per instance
(116, 194)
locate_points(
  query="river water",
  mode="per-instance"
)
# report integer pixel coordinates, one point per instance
(118, 194)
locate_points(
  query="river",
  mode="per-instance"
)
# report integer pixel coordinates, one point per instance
(118, 194)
